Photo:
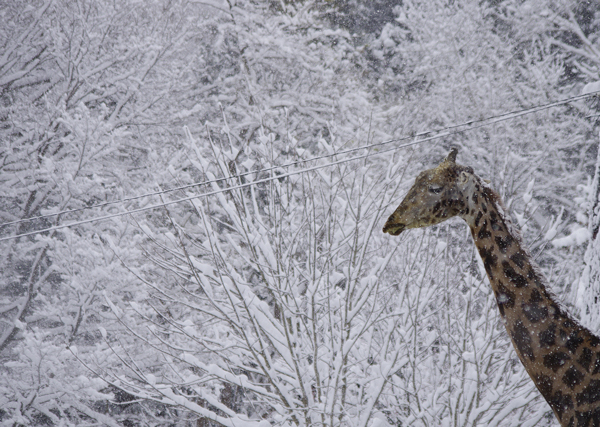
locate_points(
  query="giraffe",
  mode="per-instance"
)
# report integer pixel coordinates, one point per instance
(561, 356)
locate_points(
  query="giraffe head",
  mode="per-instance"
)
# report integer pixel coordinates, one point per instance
(437, 194)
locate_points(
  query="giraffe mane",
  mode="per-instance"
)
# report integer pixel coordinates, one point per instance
(492, 196)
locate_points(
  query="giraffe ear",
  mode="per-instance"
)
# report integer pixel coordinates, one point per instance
(451, 157)
(465, 178)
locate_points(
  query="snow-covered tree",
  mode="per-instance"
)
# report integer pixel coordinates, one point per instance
(569, 31)
(276, 299)
(588, 290)
(83, 86)
(458, 357)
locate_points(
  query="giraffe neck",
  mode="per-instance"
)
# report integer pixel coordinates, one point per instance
(561, 357)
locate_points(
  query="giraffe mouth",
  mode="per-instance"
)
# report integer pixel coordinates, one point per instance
(394, 229)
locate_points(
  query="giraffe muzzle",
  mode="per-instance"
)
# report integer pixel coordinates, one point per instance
(393, 229)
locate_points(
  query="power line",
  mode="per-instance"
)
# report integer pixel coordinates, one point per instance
(172, 202)
(440, 133)
(197, 184)
(491, 120)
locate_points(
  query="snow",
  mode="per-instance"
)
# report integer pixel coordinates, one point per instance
(528, 195)
(553, 229)
(591, 88)
(577, 237)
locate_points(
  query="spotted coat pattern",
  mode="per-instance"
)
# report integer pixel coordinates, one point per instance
(561, 356)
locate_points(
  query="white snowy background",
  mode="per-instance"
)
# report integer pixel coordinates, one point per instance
(277, 300)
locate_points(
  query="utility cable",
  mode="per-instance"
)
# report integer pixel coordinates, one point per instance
(491, 120)
(472, 124)
(172, 202)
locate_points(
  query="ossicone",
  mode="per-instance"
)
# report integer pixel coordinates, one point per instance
(451, 157)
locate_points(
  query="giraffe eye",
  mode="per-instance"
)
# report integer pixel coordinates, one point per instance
(435, 190)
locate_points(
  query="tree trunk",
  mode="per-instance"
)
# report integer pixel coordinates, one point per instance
(588, 292)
